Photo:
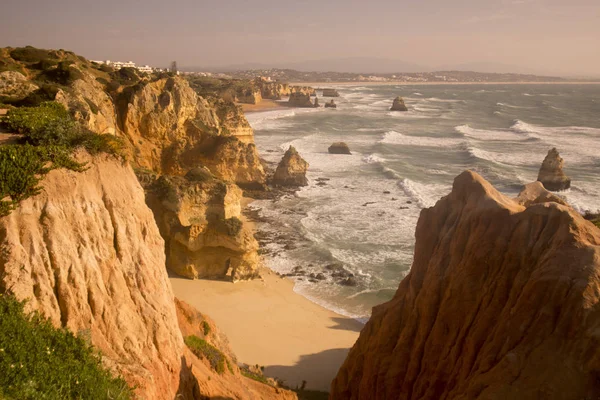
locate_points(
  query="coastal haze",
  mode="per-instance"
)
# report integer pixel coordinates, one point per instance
(547, 37)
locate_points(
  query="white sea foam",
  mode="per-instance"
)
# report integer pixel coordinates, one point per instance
(373, 159)
(485, 134)
(393, 137)
(426, 195)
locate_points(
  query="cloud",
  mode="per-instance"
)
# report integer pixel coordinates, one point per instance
(485, 18)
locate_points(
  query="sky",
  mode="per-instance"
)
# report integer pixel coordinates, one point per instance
(543, 36)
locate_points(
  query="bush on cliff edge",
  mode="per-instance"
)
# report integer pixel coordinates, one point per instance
(39, 361)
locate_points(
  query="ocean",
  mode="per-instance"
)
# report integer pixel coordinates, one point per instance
(359, 212)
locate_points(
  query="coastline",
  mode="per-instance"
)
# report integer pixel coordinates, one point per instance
(367, 83)
(264, 105)
(294, 338)
(268, 324)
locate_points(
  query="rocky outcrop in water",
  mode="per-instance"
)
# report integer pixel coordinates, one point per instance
(87, 254)
(330, 93)
(398, 105)
(291, 170)
(339, 148)
(199, 216)
(551, 172)
(330, 104)
(502, 302)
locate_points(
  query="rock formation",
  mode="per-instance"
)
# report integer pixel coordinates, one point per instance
(250, 96)
(330, 93)
(14, 85)
(299, 99)
(199, 217)
(551, 172)
(291, 171)
(502, 302)
(87, 254)
(339, 148)
(331, 104)
(273, 90)
(316, 104)
(398, 105)
(90, 104)
(184, 131)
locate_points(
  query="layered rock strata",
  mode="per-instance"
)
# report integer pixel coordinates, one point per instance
(502, 301)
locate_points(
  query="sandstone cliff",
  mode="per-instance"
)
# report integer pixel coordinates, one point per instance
(90, 104)
(200, 218)
(86, 253)
(299, 99)
(502, 302)
(170, 130)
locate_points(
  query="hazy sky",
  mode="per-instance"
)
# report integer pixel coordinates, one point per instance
(546, 36)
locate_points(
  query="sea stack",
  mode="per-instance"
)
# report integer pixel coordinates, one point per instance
(291, 170)
(500, 303)
(551, 172)
(339, 148)
(330, 93)
(398, 105)
(331, 104)
(316, 105)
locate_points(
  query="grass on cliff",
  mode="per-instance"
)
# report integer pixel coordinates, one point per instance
(39, 361)
(202, 349)
(22, 167)
(50, 124)
(51, 135)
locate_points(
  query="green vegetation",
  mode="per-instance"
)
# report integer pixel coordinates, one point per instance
(254, 376)
(202, 349)
(30, 54)
(50, 124)
(231, 226)
(22, 167)
(63, 74)
(205, 328)
(38, 361)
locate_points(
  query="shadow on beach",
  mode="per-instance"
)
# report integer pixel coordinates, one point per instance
(318, 370)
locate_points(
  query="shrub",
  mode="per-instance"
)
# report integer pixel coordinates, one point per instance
(126, 75)
(38, 361)
(30, 54)
(205, 328)
(32, 121)
(95, 143)
(63, 74)
(231, 226)
(23, 167)
(202, 349)
(45, 64)
(257, 377)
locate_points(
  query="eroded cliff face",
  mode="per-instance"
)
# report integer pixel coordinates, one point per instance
(170, 130)
(502, 302)
(87, 254)
(90, 104)
(200, 218)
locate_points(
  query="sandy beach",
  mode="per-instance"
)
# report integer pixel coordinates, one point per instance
(267, 323)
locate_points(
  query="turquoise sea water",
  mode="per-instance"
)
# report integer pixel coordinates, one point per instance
(503, 132)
